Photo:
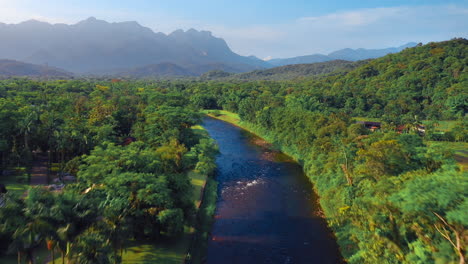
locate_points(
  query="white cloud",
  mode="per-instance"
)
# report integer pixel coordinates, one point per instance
(364, 28)
(354, 18)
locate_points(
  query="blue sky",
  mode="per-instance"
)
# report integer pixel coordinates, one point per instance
(271, 28)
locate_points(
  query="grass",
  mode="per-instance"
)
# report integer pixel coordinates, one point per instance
(169, 251)
(231, 118)
(199, 130)
(369, 119)
(198, 182)
(197, 253)
(224, 115)
(16, 183)
(442, 125)
(165, 252)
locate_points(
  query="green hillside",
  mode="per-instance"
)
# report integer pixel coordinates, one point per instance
(289, 72)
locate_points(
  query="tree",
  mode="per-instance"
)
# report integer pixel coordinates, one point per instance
(425, 201)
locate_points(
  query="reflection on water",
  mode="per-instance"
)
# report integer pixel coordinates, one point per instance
(266, 209)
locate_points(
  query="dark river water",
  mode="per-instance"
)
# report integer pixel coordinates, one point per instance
(266, 211)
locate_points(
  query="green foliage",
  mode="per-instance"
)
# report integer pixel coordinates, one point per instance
(389, 197)
(172, 221)
(132, 149)
(288, 72)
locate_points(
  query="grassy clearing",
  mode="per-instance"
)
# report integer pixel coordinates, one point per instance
(164, 252)
(224, 115)
(231, 118)
(442, 125)
(140, 252)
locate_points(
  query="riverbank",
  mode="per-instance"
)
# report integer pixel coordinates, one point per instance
(235, 120)
(206, 192)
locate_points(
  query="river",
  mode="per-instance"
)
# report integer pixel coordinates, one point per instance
(267, 211)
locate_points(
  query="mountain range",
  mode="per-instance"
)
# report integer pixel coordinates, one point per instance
(9, 68)
(96, 47)
(344, 54)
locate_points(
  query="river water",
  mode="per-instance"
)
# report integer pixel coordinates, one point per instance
(267, 211)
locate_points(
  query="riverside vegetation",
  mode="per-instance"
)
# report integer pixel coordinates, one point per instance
(395, 195)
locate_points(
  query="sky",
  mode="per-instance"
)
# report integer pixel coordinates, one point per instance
(269, 28)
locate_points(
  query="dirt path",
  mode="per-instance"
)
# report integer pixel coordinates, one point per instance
(39, 169)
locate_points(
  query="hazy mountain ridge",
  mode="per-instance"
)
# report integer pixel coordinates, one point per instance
(343, 54)
(9, 68)
(96, 45)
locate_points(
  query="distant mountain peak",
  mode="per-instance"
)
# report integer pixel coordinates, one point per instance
(191, 32)
(92, 21)
(34, 22)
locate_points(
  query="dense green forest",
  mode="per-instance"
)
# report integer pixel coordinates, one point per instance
(131, 149)
(395, 195)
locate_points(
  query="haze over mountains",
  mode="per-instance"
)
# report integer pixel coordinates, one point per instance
(96, 45)
(9, 68)
(128, 49)
(344, 54)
